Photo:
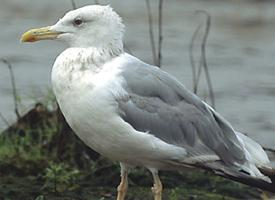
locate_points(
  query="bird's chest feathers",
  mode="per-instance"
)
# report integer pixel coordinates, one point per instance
(78, 70)
(87, 98)
(72, 67)
(83, 86)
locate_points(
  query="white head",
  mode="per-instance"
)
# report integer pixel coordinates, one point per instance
(90, 26)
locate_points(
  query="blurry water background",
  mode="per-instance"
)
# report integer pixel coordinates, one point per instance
(240, 53)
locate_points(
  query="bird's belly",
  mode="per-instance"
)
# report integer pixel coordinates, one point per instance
(92, 114)
(92, 119)
(90, 109)
(98, 125)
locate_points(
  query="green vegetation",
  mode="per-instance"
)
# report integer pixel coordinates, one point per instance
(41, 159)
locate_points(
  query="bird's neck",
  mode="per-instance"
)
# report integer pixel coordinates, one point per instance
(74, 64)
(91, 57)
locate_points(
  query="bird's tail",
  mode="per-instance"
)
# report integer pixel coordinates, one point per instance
(220, 169)
(255, 172)
(255, 155)
(254, 152)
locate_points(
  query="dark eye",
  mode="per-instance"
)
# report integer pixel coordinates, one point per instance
(78, 21)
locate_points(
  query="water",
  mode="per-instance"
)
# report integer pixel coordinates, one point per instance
(240, 53)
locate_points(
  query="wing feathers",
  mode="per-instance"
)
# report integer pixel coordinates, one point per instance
(158, 104)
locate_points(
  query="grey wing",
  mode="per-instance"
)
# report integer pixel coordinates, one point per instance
(158, 104)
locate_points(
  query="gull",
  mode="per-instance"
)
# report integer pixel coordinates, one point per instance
(136, 113)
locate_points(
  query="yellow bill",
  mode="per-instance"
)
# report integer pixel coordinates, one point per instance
(44, 33)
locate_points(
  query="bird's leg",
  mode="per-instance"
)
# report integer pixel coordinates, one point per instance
(123, 186)
(157, 188)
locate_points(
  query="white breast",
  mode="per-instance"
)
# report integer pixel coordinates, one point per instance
(86, 97)
(85, 94)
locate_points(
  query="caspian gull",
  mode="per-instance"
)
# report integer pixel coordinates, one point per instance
(136, 113)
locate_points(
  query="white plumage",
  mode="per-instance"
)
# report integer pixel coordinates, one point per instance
(87, 100)
(135, 113)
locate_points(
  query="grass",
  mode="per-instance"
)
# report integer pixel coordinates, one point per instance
(41, 158)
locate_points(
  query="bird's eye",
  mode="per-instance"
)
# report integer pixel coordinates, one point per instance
(78, 21)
